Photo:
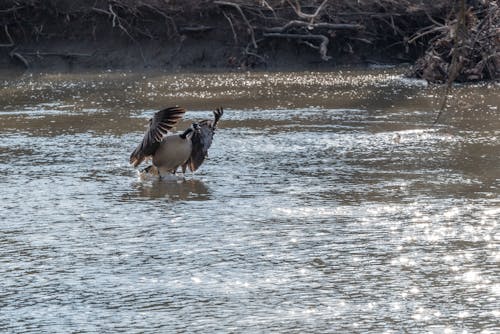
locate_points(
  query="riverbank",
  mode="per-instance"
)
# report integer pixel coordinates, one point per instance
(447, 40)
(112, 34)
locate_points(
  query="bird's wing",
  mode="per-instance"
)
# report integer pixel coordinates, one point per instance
(162, 121)
(202, 140)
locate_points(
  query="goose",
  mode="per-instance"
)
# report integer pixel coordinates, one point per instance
(187, 149)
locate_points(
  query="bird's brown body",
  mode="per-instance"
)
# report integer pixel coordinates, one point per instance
(171, 151)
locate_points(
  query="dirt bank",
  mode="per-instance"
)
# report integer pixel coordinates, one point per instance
(191, 34)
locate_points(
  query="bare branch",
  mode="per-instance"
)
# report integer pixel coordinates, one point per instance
(11, 41)
(253, 54)
(429, 31)
(299, 13)
(456, 61)
(13, 9)
(235, 36)
(17, 55)
(264, 3)
(117, 22)
(238, 8)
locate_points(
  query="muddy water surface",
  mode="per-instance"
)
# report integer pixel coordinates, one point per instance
(329, 203)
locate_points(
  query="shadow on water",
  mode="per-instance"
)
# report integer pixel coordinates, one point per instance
(172, 189)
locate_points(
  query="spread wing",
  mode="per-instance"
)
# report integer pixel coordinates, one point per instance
(202, 140)
(159, 125)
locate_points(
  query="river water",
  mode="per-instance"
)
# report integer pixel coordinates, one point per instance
(330, 203)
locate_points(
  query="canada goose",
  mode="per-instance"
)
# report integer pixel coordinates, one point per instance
(171, 151)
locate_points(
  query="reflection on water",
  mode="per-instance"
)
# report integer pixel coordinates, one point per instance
(329, 203)
(175, 189)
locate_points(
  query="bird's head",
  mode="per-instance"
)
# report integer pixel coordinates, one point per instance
(196, 127)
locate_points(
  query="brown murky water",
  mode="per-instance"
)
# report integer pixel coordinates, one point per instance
(329, 203)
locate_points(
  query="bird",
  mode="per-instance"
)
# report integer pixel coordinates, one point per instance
(170, 151)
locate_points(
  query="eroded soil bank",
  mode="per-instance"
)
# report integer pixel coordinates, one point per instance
(195, 34)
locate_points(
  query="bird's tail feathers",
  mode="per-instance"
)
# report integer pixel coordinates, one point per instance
(217, 115)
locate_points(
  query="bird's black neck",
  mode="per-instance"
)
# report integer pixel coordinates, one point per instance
(185, 133)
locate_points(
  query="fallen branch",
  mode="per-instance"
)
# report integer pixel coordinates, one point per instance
(431, 30)
(13, 9)
(102, 11)
(369, 14)
(194, 29)
(323, 47)
(58, 54)
(311, 26)
(16, 55)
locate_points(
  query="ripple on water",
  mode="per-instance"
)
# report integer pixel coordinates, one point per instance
(354, 215)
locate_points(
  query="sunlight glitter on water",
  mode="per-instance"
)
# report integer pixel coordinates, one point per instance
(328, 204)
